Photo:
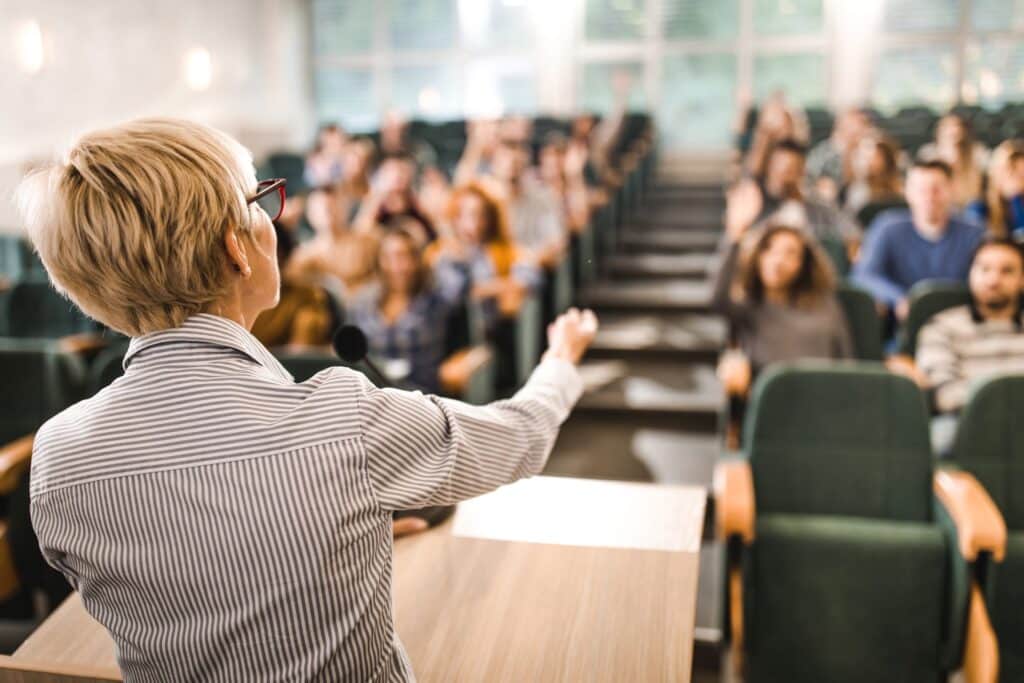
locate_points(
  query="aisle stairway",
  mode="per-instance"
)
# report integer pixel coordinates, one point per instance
(654, 414)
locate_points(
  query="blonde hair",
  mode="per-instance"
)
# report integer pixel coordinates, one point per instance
(130, 224)
(1000, 164)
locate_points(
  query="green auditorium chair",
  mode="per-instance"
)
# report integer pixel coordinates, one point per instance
(836, 252)
(989, 445)
(842, 565)
(862, 318)
(35, 309)
(107, 366)
(927, 299)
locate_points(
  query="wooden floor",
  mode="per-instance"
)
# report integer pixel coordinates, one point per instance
(651, 412)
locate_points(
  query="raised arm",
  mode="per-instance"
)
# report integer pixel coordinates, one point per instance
(743, 205)
(424, 450)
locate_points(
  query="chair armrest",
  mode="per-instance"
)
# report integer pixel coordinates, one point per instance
(458, 368)
(979, 526)
(82, 344)
(14, 459)
(734, 500)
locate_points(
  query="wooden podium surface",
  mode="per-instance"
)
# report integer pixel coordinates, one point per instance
(549, 579)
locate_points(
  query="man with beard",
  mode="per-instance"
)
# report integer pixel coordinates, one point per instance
(964, 344)
(786, 200)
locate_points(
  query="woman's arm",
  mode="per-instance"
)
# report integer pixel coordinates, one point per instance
(424, 450)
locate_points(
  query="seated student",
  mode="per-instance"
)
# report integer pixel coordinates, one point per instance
(1002, 210)
(955, 145)
(561, 170)
(783, 188)
(334, 207)
(402, 315)
(534, 213)
(775, 121)
(396, 139)
(924, 242)
(830, 162)
(877, 183)
(962, 345)
(778, 297)
(481, 141)
(324, 163)
(392, 195)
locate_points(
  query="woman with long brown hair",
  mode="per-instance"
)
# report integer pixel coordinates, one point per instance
(1002, 209)
(777, 292)
(878, 182)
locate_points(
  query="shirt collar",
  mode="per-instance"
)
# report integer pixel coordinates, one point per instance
(215, 331)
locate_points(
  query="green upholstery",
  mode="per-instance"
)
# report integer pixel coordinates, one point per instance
(844, 599)
(830, 439)
(854, 573)
(39, 381)
(107, 366)
(35, 309)
(989, 444)
(927, 299)
(563, 286)
(836, 251)
(1005, 597)
(529, 334)
(862, 318)
(586, 255)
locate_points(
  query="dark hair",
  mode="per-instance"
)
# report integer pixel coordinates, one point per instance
(933, 165)
(789, 145)
(423, 276)
(815, 279)
(991, 240)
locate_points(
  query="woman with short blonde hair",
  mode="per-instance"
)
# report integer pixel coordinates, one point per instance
(221, 521)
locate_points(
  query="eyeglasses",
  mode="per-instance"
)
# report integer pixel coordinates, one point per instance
(270, 196)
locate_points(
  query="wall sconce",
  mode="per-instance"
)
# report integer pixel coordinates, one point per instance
(28, 46)
(198, 68)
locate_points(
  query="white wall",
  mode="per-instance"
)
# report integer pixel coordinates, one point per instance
(110, 60)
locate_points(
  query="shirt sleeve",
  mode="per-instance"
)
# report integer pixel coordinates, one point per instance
(871, 269)
(426, 450)
(938, 359)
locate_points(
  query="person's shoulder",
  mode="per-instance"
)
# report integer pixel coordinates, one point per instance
(892, 222)
(968, 228)
(951, 321)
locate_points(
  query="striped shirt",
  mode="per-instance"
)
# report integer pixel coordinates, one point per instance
(226, 524)
(957, 348)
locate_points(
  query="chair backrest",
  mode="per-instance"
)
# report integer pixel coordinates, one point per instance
(839, 439)
(989, 443)
(836, 252)
(107, 366)
(862, 318)
(35, 309)
(39, 381)
(927, 299)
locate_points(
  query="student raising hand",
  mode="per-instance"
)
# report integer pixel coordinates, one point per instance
(743, 204)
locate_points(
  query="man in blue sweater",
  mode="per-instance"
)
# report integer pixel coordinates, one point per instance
(926, 242)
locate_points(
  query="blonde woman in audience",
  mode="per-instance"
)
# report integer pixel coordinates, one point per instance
(1002, 209)
(955, 144)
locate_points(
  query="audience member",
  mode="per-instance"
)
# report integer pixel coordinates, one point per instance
(392, 196)
(478, 260)
(954, 144)
(924, 242)
(403, 315)
(481, 141)
(534, 213)
(335, 207)
(785, 197)
(775, 122)
(877, 183)
(961, 345)
(830, 162)
(325, 162)
(1002, 210)
(777, 294)
(395, 139)
(561, 170)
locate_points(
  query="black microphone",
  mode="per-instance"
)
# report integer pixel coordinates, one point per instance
(349, 342)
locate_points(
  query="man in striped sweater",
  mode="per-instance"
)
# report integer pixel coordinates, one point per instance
(962, 345)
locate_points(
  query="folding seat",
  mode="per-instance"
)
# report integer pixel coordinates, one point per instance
(862, 318)
(926, 300)
(842, 566)
(989, 445)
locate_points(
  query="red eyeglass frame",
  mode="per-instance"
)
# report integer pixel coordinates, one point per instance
(265, 187)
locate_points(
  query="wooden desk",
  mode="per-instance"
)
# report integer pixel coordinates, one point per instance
(549, 579)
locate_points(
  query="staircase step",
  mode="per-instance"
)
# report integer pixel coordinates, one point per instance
(648, 296)
(688, 266)
(675, 338)
(686, 395)
(667, 240)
